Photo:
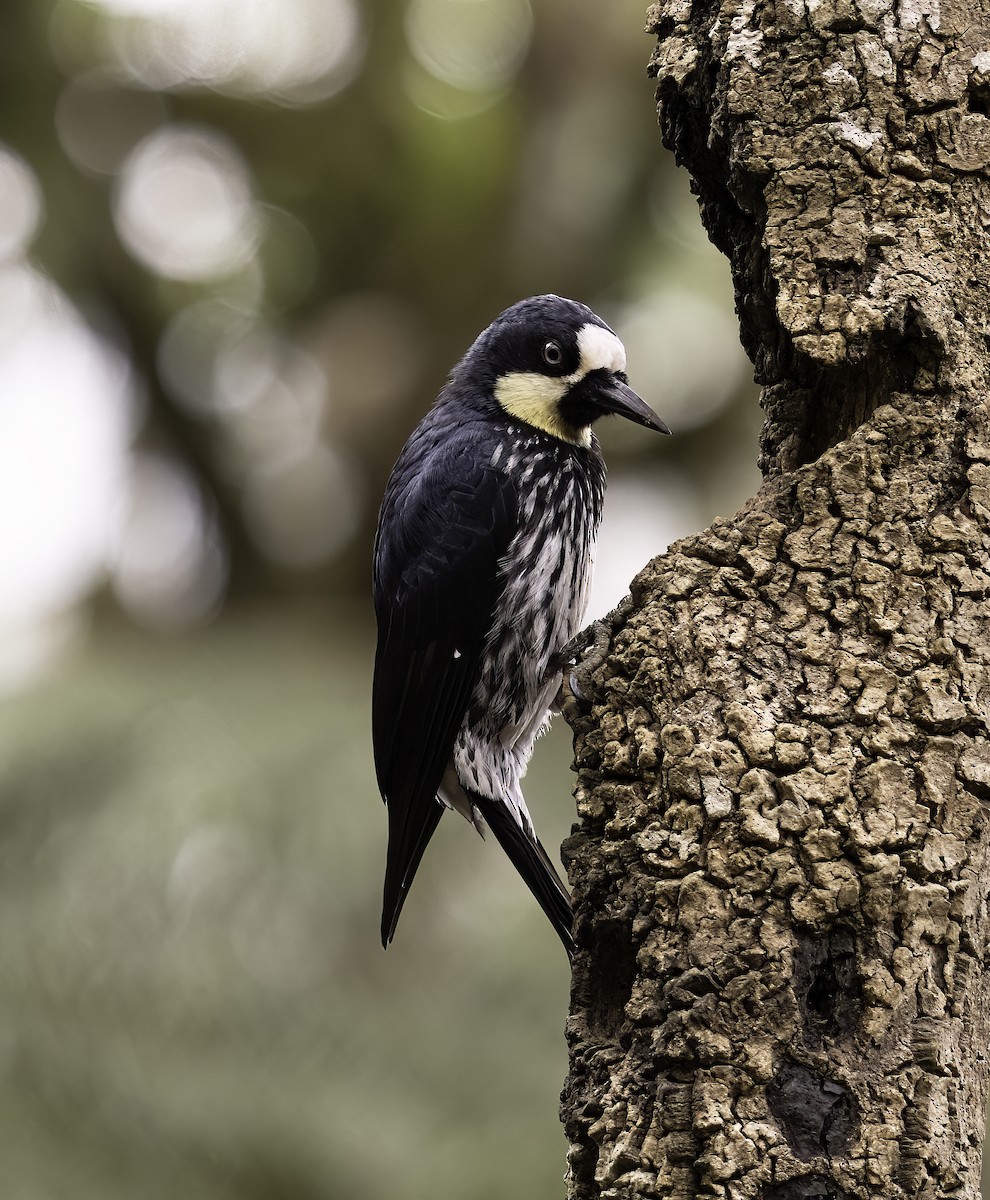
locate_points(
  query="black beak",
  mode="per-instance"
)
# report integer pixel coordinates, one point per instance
(619, 398)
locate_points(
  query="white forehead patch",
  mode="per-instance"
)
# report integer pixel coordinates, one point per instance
(599, 348)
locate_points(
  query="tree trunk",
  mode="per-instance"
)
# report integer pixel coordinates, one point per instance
(782, 869)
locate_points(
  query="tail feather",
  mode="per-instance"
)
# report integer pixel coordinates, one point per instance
(533, 863)
(406, 844)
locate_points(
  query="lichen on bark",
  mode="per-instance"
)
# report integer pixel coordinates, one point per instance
(783, 862)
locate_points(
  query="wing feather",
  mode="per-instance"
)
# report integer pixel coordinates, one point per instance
(442, 533)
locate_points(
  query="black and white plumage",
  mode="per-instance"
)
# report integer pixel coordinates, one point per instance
(481, 576)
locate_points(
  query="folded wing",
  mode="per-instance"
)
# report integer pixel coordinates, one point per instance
(436, 582)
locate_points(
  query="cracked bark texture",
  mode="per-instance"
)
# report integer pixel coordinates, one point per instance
(781, 871)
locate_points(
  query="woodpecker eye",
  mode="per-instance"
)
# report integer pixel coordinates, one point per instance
(552, 354)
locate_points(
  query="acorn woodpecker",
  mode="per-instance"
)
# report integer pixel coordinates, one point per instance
(482, 568)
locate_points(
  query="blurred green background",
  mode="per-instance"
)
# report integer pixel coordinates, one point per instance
(241, 244)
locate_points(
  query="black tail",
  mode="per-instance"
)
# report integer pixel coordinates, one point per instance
(533, 864)
(406, 842)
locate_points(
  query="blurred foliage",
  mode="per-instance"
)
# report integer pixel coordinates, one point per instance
(274, 257)
(196, 1003)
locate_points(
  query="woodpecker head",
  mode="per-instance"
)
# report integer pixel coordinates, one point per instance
(554, 364)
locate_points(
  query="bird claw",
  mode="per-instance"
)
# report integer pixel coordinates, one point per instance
(585, 653)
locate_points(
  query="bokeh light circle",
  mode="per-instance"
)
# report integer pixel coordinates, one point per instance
(183, 205)
(21, 204)
(475, 45)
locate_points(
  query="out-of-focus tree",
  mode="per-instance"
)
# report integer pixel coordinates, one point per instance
(243, 245)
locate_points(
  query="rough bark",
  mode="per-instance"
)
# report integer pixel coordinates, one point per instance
(783, 862)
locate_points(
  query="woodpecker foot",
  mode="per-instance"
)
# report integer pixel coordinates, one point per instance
(584, 654)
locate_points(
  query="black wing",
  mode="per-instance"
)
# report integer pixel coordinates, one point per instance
(442, 531)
